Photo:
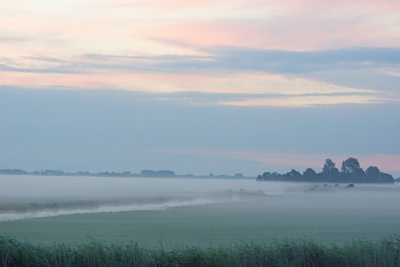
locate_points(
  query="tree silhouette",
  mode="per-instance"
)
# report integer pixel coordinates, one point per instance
(351, 172)
(350, 165)
(293, 175)
(373, 173)
(329, 167)
(309, 172)
(309, 175)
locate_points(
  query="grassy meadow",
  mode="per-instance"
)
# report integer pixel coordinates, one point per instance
(325, 217)
(269, 224)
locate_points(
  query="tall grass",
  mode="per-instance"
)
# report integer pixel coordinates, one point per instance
(385, 252)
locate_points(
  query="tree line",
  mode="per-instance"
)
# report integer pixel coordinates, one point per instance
(142, 174)
(350, 172)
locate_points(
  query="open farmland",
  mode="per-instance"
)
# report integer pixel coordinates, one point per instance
(327, 214)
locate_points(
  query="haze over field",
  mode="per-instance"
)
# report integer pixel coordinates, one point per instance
(37, 196)
(199, 86)
(169, 210)
(23, 197)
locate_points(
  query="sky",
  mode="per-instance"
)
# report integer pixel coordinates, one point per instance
(199, 86)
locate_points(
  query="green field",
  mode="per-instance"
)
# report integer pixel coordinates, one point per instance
(321, 216)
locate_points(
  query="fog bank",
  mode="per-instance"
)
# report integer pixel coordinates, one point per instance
(24, 197)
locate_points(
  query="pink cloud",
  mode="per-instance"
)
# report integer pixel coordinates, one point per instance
(288, 33)
(291, 5)
(304, 101)
(107, 79)
(295, 92)
(121, 27)
(236, 83)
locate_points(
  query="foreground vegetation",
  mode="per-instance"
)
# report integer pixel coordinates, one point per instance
(385, 252)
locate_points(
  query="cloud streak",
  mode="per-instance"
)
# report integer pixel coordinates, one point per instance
(297, 51)
(223, 59)
(294, 76)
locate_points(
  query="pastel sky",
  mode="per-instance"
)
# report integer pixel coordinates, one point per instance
(199, 86)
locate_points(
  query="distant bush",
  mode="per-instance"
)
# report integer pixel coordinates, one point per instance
(280, 253)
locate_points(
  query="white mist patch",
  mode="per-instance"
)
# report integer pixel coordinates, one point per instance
(11, 216)
(25, 197)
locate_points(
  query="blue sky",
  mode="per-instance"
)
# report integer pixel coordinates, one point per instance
(201, 86)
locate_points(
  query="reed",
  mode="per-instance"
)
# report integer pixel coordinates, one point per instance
(288, 252)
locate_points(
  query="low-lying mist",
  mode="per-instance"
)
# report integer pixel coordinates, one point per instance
(24, 197)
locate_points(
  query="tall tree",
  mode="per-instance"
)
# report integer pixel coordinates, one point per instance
(350, 165)
(373, 173)
(328, 166)
(329, 172)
